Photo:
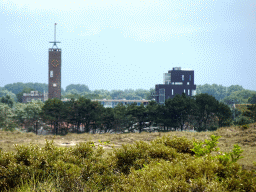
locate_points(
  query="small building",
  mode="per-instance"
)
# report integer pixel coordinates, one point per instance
(176, 81)
(114, 102)
(34, 95)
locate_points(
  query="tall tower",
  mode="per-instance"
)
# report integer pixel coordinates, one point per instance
(54, 73)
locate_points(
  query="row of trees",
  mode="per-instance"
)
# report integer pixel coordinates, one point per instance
(74, 91)
(203, 112)
(234, 94)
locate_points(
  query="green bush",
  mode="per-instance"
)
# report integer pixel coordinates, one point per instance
(242, 120)
(246, 126)
(165, 164)
(206, 147)
(181, 144)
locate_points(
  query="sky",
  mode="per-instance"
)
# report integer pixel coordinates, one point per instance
(129, 44)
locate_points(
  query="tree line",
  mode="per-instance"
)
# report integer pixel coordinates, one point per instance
(16, 90)
(202, 112)
(234, 94)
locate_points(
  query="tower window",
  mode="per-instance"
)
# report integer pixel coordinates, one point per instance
(184, 90)
(188, 91)
(182, 77)
(189, 77)
(54, 85)
(172, 91)
(51, 73)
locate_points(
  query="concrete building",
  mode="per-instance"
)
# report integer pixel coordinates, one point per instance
(176, 81)
(34, 95)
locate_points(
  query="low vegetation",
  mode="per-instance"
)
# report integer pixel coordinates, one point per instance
(176, 161)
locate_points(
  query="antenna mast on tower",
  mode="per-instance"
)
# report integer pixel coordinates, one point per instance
(55, 42)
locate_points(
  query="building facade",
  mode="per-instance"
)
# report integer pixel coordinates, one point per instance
(114, 102)
(34, 95)
(111, 103)
(176, 81)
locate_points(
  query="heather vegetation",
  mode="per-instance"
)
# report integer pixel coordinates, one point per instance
(165, 163)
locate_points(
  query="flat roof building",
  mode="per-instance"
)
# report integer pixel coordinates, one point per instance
(34, 95)
(114, 102)
(176, 81)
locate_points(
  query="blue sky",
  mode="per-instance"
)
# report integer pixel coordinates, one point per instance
(116, 44)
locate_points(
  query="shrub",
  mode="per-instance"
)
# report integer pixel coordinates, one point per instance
(246, 126)
(242, 120)
(206, 147)
(165, 164)
(181, 144)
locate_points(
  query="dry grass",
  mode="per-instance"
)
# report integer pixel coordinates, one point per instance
(229, 136)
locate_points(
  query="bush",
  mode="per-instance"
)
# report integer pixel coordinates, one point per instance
(213, 128)
(242, 120)
(165, 164)
(246, 126)
(181, 144)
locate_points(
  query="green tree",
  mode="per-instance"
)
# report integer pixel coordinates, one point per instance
(251, 112)
(18, 87)
(117, 94)
(80, 88)
(7, 120)
(122, 119)
(152, 111)
(239, 97)
(206, 109)
(97, 115)
(234, 88)
(7, 100)
(217, 91)
(27, 114)
(150, 94)
(71, 94)
(84, 111)
(5, 92)
(108, 119)
(252, 99)
(139, 114)
(142, 93)
(224, 114)
(52, 113)
(164, 117)
(181, 107)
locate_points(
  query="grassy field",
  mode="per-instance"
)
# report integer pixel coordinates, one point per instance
(229, 136)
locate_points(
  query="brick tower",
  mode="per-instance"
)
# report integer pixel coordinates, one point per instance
(54, 73)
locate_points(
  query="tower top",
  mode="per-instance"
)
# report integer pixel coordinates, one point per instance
(55, 42)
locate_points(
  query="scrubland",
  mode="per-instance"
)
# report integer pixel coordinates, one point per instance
(172, 161)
